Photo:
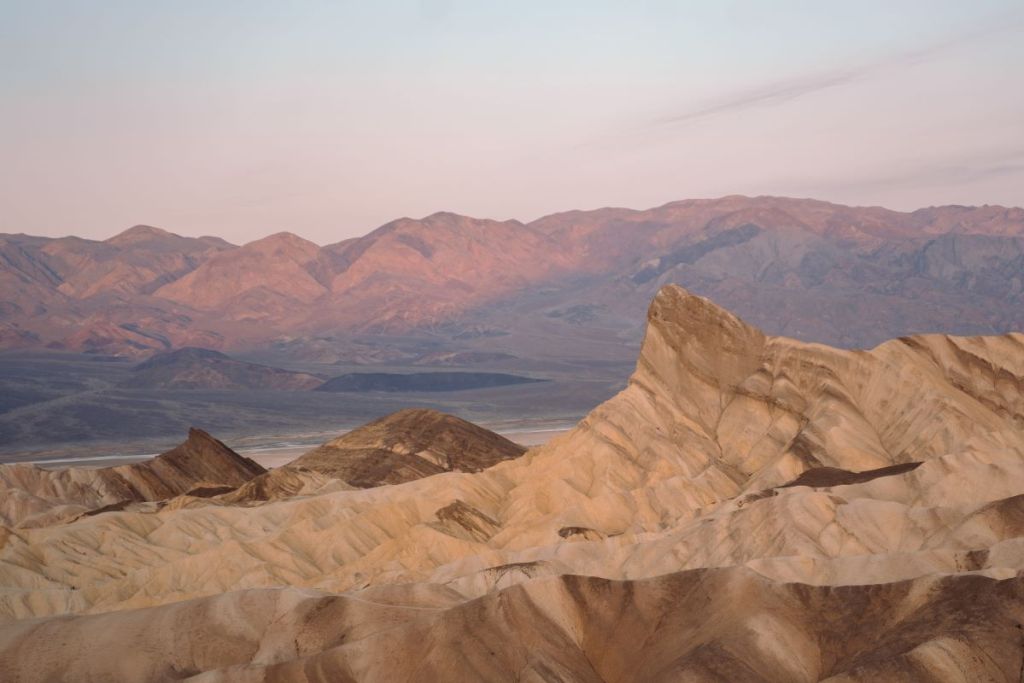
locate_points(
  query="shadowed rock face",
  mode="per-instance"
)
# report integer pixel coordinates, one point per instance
(32, 495)
(199, 458)
(408, 445)
(833, 476)
(750, 507)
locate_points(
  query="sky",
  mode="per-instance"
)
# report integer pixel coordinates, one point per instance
(242, 118)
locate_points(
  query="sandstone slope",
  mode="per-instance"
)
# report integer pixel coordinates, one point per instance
(705, 625)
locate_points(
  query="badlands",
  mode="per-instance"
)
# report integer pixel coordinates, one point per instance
(749, 508)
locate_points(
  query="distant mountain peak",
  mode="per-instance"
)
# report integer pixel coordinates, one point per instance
(452, 218)
(444, 215)
(139, 233)
(283, 237)
(284, 243)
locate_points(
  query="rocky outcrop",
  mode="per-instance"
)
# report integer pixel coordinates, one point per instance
(723, 409)
(31, 495)
(408, 445)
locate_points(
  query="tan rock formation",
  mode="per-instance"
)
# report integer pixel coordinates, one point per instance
(34, 496)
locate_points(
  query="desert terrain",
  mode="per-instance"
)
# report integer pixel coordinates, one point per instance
(433, 341)
(748, 507)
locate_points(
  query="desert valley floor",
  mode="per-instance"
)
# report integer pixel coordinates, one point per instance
(748, 508)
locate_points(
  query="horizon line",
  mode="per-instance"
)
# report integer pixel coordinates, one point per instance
(526, 223)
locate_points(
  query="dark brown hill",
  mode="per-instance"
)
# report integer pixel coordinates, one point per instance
(408, 445)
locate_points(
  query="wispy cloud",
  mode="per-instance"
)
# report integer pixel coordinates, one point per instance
(805, 84)
(938, 173)
(779, 91)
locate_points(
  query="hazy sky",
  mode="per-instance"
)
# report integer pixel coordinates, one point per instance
(330, 118)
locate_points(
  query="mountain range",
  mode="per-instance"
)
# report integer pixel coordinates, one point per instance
(565, 286)
(750, 507)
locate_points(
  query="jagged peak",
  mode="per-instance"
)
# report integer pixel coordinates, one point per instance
(202, 453)
(696, 315)
(201, 437)
(197, 439)
(689, 331)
